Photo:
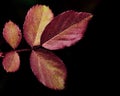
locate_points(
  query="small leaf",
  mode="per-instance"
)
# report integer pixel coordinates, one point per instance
(48, 68)
(36, 20)
(65, 30)
(11, 61)
(12, 34)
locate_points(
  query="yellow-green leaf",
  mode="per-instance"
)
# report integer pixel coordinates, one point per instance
(48, 68)
(12, 34)
(35, 22)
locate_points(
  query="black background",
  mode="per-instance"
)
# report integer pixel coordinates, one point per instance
(85, 61)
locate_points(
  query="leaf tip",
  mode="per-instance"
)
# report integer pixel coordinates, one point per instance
(90, 16)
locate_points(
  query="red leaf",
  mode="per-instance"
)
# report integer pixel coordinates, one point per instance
(11, 61)
(36, 20)
(48, 68)
(12, 34)
(65, 30)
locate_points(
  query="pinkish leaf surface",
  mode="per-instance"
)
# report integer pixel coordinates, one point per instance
(48, 68)
(11, 61)
(12, 34)
(65, 30)
(35, 22)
